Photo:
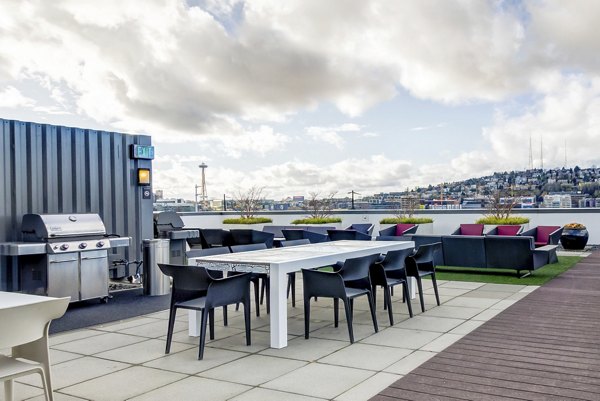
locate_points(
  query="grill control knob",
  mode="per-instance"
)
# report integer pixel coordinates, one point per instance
(64, 247)
(100, 244)
(83, 245)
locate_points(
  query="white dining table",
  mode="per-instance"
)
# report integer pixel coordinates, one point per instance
(278, 262)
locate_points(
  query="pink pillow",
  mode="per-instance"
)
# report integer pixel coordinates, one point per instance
(401, 228)
(471, 229)
(508, 230)
(543, 232)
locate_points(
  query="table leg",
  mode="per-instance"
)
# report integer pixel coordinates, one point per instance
(278, 281)
(194, 323)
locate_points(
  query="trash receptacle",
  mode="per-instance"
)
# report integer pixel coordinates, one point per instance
(155, 251)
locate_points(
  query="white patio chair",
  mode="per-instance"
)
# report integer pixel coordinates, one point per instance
(25, 329)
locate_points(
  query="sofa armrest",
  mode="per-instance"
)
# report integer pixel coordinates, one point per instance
(554, 237)
(456, 232)
(529, 233)
(388, 231)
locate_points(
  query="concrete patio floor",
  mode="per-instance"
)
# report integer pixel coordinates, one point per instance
(126, 360)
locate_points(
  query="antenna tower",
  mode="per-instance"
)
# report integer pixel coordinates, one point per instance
(565, 152)
(530, 154)
(203, 194)
(542, 151)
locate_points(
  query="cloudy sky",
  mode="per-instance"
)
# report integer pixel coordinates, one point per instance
(305, 96)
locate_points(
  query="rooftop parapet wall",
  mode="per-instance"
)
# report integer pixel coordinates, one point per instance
(444, 221)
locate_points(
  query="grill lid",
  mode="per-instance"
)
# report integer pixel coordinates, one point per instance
(42, 227)
(167, 221)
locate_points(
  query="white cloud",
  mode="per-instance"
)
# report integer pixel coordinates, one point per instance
(11, 97)
(333, 135)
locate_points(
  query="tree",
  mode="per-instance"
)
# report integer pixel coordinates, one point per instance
(249, 202)
(499, 205)
(319, 207)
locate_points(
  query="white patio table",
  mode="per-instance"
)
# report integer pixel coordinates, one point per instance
(280, 261)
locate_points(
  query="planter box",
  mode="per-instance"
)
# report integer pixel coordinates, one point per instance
(424, 228)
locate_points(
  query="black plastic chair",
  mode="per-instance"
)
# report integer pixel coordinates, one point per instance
(347, 283)
(299, 233)
(348, 234)
(389, 272)
(421, 264)
(197, 253)
(195, 289)
(254, 277)
(291, 284)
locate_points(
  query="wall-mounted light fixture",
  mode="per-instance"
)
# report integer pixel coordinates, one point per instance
(143, 176)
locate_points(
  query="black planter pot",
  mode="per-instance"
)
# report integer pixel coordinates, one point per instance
(574, 239)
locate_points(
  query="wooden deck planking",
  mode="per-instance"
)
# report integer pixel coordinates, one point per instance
(544, 347)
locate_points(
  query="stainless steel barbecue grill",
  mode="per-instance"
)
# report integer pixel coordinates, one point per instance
(168, 225)
(64, 255)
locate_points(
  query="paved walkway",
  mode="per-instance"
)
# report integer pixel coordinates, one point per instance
(544, 347)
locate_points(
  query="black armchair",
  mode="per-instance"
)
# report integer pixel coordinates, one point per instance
(421, 264)
(197, 253)
(544, 235)
(291, 284)
(215, 237)
(254, 277)
(245, 237)
(389, 272)
(353, 235)
(299, 233)
(347, 283)
(195, 289)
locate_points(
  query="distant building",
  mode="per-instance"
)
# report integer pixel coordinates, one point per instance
(557, 201)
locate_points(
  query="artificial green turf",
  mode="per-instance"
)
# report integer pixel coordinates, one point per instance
(502, 276)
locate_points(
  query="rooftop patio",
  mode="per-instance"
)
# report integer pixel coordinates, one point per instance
(126, 360)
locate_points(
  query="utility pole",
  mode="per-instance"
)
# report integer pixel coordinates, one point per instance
(224, 203)
(203, 194)
(353, 193)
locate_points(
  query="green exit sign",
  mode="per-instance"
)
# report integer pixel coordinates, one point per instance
(142, 152)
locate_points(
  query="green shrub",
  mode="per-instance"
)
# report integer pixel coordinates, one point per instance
(246, 220)
(318, 220)
(406, 220)
(511, 221)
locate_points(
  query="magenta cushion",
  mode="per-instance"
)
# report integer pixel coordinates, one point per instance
(543, 232)
(471, 229)
(401, 228)
(508, 230)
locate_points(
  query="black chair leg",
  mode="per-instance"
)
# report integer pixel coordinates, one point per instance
(336, 312)
(292, 287)
(247, 320)
(263, 285)
(374, 292)
(172, 315)
(349, 320)
(387, 300)
(202, 334)
(373, 315)
(211, 324)
(435, 289)
(225, 316)
(420, 287)
(268, 290)
(306, 316)
(256, 297)
(406, 298)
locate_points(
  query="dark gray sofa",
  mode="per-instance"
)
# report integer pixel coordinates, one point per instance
(492, 251)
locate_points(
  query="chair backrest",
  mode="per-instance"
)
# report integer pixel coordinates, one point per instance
(215, 237)
(315, 237)
(189, 282)
(248, 247)
(543, 233)
(365, 228)
(396, 260)
(293, 233)
(227, 291)
(471, 229)
(340, 235)
(27, 323)
(197, 253)
(402, 228)
(295, 242)
(426, 253)
(508, 230)
(355, 269)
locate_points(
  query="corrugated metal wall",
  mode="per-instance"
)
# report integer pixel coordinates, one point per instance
(55, 169)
